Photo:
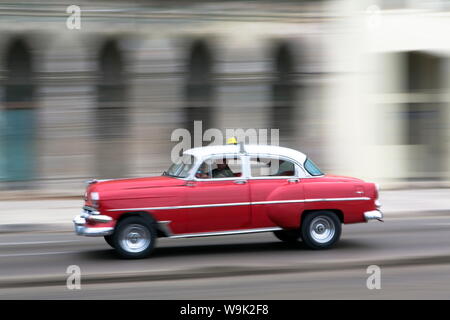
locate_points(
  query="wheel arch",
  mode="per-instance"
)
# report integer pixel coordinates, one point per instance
(339, 213)
(148, 216)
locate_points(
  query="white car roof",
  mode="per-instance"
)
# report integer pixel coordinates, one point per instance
(204, 152)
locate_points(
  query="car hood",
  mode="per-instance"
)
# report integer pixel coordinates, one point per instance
(136, 183)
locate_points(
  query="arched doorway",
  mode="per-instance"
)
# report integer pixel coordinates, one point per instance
(111, 114)
(283, 91)
(199, 88)
(19, 116)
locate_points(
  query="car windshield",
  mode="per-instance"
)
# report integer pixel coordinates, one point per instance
(312, 168)
(181, 168)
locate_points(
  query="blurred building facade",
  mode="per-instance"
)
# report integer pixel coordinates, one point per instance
(391, 94)
(363, 90)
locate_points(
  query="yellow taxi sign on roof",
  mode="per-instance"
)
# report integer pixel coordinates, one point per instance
(232, 140)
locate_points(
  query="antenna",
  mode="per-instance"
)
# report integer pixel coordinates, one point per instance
(241, 147)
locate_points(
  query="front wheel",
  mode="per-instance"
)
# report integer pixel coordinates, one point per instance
(321, 230)
(134, 238)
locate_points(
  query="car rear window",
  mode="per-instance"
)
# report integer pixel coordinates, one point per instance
(312, 168)
(271, 167)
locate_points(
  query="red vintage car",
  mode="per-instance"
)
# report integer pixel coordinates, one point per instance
(226, 190)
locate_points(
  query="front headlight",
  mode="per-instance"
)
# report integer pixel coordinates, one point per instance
(95, 198)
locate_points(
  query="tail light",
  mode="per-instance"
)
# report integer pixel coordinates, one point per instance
(95, 197)
(377, 195)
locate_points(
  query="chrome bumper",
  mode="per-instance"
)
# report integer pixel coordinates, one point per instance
(373, 215)
(82, 230)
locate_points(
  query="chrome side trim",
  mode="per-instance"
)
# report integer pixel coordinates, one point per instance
(311, 200)
(186, 207)
(233, 204)
(338, 199)
(224, 233)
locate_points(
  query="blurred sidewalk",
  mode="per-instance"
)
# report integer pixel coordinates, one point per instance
(56, 214)
(415, 200)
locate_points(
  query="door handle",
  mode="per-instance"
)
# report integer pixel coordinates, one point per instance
(294, 180)
(240, 181)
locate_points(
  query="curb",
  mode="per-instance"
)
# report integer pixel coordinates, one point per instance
(220, 271)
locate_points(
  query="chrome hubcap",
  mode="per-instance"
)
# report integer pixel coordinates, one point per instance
(135, 238)
(322, 229)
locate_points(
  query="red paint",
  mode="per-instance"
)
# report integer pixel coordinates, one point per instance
(169, 192)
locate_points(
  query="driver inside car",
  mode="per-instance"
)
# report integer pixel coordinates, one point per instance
(222, 170)
(203, 171)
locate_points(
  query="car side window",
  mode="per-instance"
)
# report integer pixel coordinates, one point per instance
(218, 167)
(271, 167)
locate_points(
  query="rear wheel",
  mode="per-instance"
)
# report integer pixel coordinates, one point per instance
(290, 236)
(321, 230)
(134, 238)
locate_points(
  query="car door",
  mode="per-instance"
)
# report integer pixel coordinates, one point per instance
(218, 201)
(276, 191)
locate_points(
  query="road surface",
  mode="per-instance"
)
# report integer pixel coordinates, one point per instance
(413, 254)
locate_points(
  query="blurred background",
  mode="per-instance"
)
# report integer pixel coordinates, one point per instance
(362, 87)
